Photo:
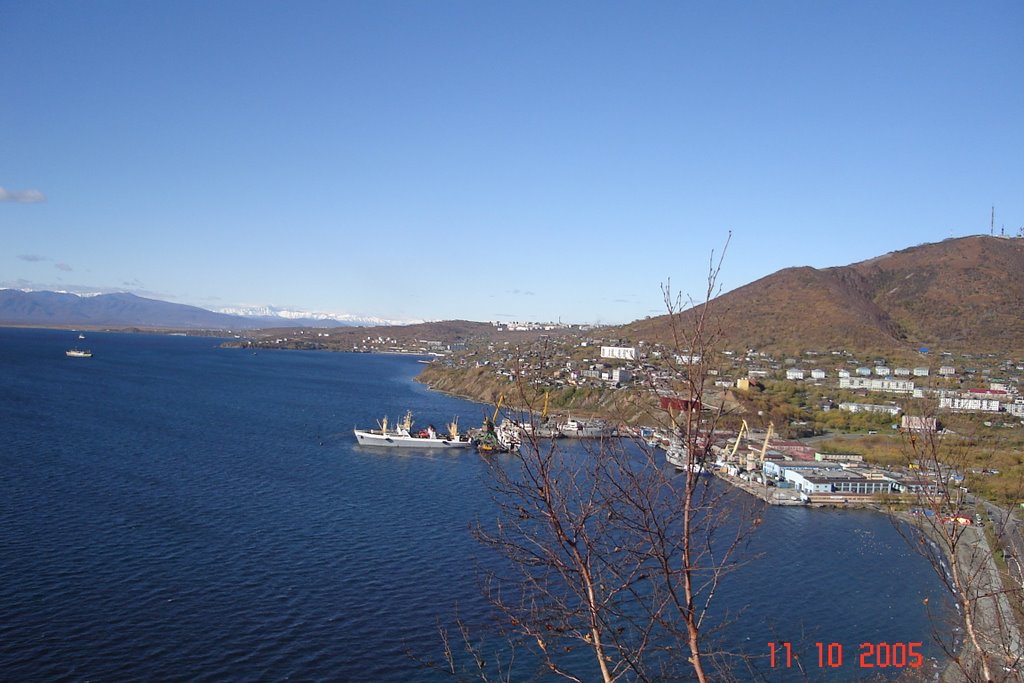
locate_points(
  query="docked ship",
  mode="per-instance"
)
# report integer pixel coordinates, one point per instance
(510, 435)
(586, 429)
(402, 435)
(506, 437)
(678, 456)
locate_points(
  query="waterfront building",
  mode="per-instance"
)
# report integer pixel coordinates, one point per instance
(863, 486)
(812, 481)
(779, 468)
(914, 484)
(838, 457)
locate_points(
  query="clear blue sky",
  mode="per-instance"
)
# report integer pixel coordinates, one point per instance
(486, 160)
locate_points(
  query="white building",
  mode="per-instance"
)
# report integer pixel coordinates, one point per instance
(970, 404)
(869, 408)
(917, 423)
(817, 374)
(947, 371)
(778, 469)
(892, 386)
(921, 372)
(882, 371)
(621, 376)
(619, 352)
(794, 373)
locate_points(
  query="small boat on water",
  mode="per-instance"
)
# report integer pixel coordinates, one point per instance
(78, 353)
(403, 436)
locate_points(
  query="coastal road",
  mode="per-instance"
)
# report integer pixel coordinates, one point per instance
(1008, 531)
(996, 617)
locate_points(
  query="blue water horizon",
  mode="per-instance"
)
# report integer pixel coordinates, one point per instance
(174, 510)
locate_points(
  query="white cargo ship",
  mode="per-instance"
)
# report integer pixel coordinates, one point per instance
(403, 436)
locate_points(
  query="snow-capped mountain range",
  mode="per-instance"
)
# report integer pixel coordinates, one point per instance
(26, 307)
(294, 315)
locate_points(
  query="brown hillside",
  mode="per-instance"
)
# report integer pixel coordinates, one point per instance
(960, 294)
(792, 310)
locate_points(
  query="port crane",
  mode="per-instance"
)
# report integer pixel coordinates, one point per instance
(764, 448)
(497, 407)
(758, 457)
(488, 441)
(744, 431)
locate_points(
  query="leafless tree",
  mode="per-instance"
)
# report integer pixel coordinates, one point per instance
(616, 558)
(943, 526)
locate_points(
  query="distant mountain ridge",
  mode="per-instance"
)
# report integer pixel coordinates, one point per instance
(960, 294)
(283, 314)
(128, 310)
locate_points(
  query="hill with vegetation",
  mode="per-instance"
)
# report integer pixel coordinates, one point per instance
(961, 294)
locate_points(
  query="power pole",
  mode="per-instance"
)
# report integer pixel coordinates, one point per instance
(992, 226)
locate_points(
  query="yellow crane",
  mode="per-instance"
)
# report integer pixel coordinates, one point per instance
(767, 438)
(487, 441)
(744, 430)
(497, 407)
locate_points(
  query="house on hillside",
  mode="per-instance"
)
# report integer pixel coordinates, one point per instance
(869, 408)
(981, 405)
(917, 423)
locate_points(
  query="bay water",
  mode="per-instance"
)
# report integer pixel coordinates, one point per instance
(172, 510)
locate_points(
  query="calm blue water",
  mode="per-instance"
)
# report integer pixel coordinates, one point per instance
(172, 510)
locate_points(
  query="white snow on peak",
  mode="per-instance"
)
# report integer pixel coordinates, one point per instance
(293, 314)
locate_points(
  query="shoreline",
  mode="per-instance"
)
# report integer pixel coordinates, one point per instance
(992, 623)
(948, 671)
